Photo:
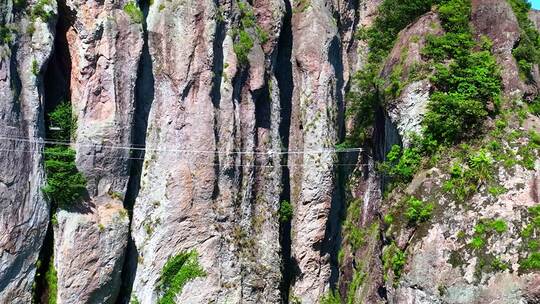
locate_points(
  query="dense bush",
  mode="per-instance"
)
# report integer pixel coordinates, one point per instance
(402, 164)
(527, 52)
(393, 16)
(468, 89)
(178, 270)
(65, 184)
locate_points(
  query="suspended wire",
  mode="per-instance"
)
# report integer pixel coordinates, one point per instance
(212, 164)
(40, 141)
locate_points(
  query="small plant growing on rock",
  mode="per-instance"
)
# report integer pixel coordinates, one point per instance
(418, 211)
(39, 10)
(285, 211)
(134, 12)
(178, 270)
(394, 259)
(35, 67)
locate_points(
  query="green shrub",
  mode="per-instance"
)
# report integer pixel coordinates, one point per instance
(532, 262)
(454, 15)
(134, 12)
(61, 122)
(527, 52)
(285, 211)
(477, 242)
(39, 11)
(394, 259)
(469, 86)
(35, 67)
(51, 279)
(178, 270)
(402, 164)
(534, 107)
(246, 33)
(65, 185)
(332, 297)
(418, 211)
(243, 46)
(6, 34)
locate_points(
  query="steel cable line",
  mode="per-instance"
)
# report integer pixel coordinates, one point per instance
(134, 148)
(203, 164)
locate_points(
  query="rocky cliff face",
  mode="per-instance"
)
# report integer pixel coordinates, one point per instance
(104, 45)
(26, 46)
(200, 125)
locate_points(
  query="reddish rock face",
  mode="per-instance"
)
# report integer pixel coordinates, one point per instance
(24, 211)
(240, 105)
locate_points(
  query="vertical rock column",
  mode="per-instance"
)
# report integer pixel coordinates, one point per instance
(24, 212)
(210, 181)
(314, 130)
(90, 239)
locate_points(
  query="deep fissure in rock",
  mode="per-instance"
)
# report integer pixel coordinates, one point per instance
(144, 97)
(285, 84)
(56, 89)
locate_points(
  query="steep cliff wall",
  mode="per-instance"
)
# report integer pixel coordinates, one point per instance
(27, 41)
(272, 151)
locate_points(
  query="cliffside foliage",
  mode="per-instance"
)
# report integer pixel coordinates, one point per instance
(51, 278)
(366, 91)
(178, 270)
(134, 12)
(468, 89)
(285, 211)
(527, 52)
(246, 33)
(65, 184)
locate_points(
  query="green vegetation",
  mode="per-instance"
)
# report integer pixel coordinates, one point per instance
(51, 280)
(467, 86)
(285, 211)
(358, 279)
(351, 232)
(332, 297)
(401, 164)
(484, 228)
(35, 67)
(418, 211)
(39, 11)
(365, 94)
(527, 52)
(531, 238)
(243, 46)
(134, 12)
(467, 176)
(247, 31)
(6, 34)
(393, 259)
(65, 185)
(178, 270)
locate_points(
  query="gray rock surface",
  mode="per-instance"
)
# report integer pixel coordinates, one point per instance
(197, 192)
(24, 212)
(105, 46)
